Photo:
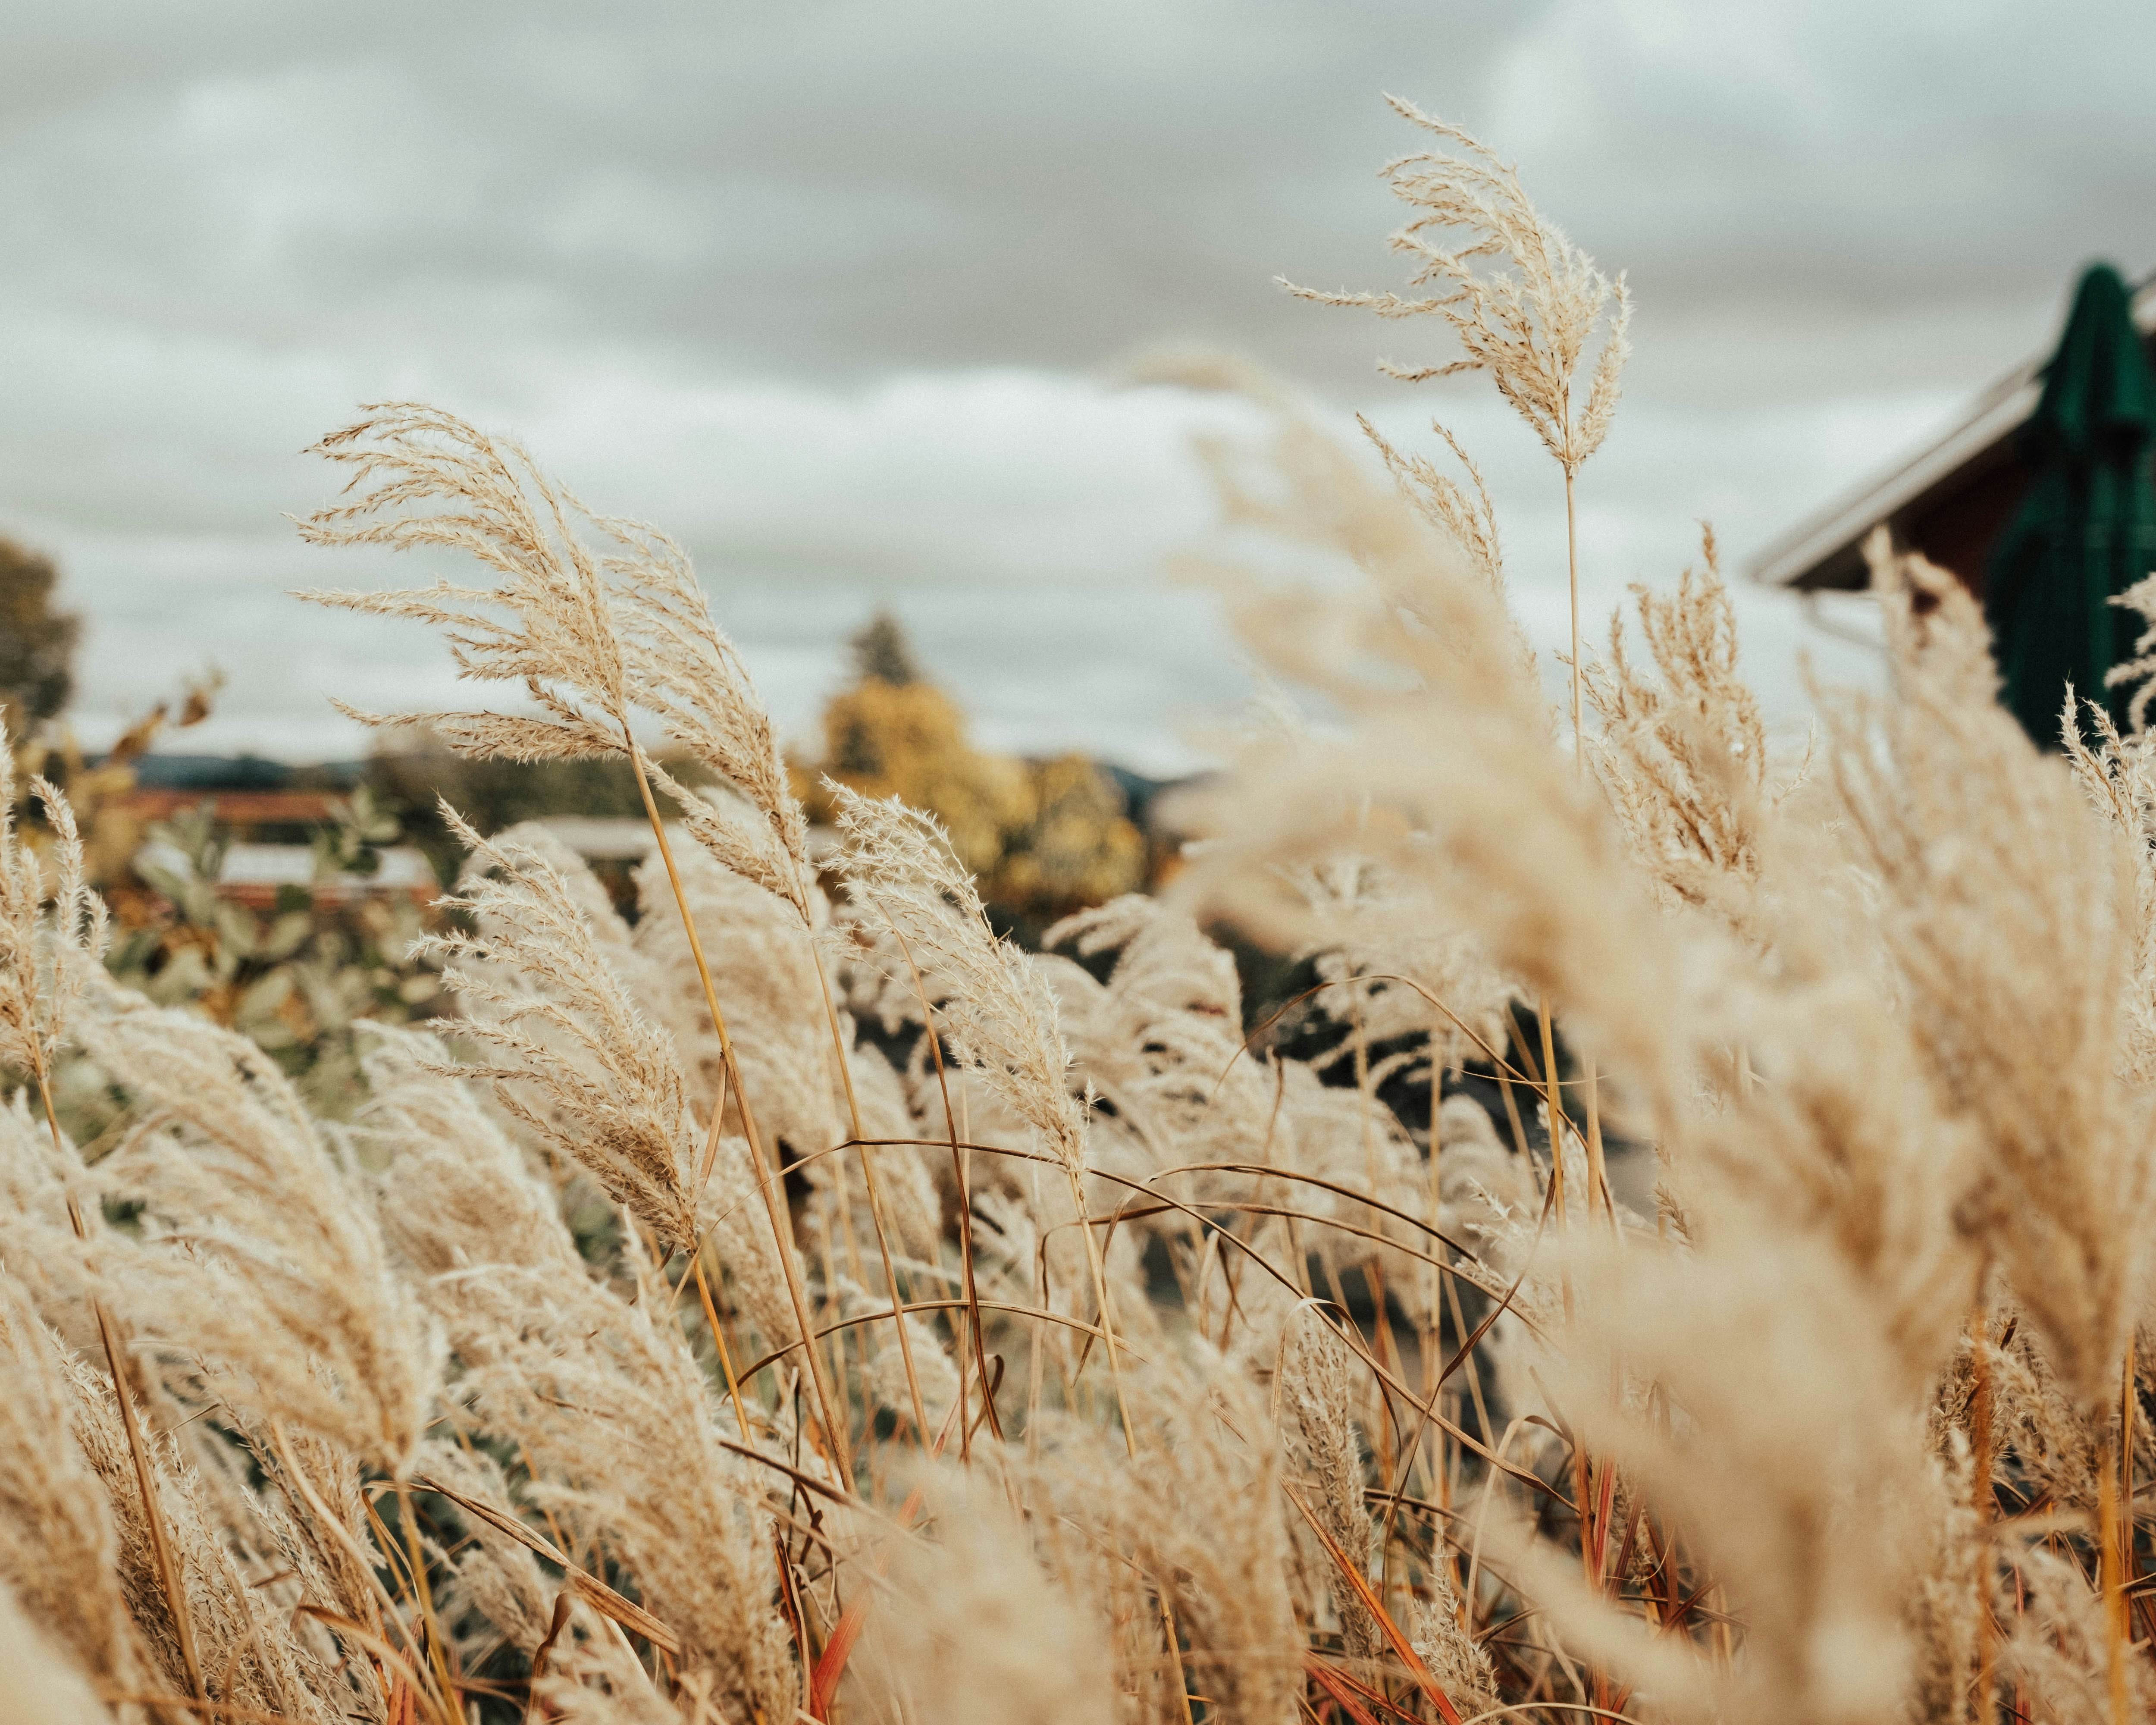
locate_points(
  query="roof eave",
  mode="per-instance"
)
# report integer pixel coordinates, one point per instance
(1826, 552)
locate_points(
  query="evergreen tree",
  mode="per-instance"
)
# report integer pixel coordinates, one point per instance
(883, 655)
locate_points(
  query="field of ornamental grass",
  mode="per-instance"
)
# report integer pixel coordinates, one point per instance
(795, 1302)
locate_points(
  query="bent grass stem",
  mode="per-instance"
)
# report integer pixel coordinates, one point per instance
(781, 1231)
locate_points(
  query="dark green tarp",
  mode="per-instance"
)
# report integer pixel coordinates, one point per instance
(2087, 529)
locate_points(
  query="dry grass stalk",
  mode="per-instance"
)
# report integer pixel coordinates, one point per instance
(1521, 298)
(1524, 303)
(575, 1058)
(591, 637)
(1682, 753)
(48, 958)
(1000, 1018)
(59, 1546)
(256, 1249)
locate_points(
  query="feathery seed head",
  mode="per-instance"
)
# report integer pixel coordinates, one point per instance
(1000, 1016)
(50, 943)
(1522, 301)
(576, 1060)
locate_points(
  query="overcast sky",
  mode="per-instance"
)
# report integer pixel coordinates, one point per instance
(839, 294)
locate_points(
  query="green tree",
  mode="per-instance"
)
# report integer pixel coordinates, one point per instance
(37, 642)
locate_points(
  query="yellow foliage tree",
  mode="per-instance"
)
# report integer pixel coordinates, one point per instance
(908, 741)
(1038, 835)
(1079, 848)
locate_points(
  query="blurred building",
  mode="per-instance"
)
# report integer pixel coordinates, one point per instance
(254, 800)
(1950, 500)
(254, 875)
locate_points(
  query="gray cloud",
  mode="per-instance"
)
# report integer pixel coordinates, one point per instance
(821, 286)
(855, 188)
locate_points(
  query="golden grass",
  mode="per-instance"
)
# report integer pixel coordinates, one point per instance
(1843, 1424)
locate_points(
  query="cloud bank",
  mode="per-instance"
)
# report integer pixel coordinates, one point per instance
(838, 292)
